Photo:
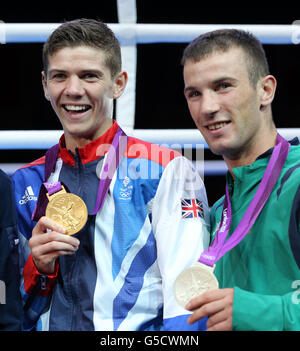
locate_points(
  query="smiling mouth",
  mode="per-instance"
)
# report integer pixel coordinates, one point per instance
(76, 108)
(217, 126)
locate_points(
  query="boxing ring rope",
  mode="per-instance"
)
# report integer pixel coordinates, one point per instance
(173, 138)
(152, 33)
(130, 34)
(43, 139)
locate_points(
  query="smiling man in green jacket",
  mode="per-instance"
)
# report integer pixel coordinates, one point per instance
(255, 227)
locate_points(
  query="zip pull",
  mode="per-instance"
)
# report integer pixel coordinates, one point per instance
(43, 279)
(77, 158)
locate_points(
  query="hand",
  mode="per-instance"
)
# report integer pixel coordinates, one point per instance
(217, 305)
(46, 246)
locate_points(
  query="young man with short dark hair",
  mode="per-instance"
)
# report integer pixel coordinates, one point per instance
(118, 269)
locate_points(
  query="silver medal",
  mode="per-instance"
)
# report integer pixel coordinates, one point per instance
(193, 282)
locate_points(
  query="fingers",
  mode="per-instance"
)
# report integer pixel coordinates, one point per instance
(52, 242)
(206, 308)
(204, 298)
(217, 305)
(45, 224)
(48, 242)
(51, 231)
(219, 321)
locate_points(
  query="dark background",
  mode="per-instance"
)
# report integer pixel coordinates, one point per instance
(159, 99)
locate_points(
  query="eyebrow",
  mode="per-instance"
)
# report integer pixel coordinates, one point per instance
(214, 82)
(222, 79)
(96, 71)
(187, 89)
(92, 70)
(56, 70)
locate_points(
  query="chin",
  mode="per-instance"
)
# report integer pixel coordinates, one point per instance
(77, 133)
(217, 150)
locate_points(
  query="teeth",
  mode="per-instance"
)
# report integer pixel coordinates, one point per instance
(76, 107)
(217, 126)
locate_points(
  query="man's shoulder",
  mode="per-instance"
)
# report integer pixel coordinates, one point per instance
(294, 153)
(291, 169)
(137, 148)
(32, 173)
(38, 162)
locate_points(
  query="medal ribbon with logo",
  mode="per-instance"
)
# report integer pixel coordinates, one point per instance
(200, 278)
(56, 202)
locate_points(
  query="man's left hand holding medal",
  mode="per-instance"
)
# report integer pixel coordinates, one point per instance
(49, 240)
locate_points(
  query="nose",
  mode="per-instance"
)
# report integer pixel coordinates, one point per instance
(209, 104)
(74, 87)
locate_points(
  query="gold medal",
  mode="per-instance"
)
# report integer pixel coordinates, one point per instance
(193, 282)
(68, 210)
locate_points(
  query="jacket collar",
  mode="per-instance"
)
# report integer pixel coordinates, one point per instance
(89, 152)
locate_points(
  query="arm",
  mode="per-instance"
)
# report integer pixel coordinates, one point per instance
(237, 309)
(41, 267)
(272, 313)
(179, 240)
(38, 249)
(48, 242)
(10, 298)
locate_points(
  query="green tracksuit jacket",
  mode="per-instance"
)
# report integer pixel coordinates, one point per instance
(264, 268)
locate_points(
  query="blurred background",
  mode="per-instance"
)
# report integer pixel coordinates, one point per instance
(160, 103)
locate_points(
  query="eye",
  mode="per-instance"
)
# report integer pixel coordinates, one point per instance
(192, 94)
(90, 76)
(58, 76)
(222, 86)
(195, 93)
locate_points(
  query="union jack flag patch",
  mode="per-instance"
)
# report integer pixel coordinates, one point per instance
(192, 208)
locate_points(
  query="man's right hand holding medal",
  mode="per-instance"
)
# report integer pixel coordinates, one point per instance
(48, 242)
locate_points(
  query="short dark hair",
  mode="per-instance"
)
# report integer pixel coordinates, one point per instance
(224, 39)
(85, 32)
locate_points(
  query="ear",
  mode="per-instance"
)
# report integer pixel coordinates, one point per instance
(267, 90)
(120, 82)
(45, 87)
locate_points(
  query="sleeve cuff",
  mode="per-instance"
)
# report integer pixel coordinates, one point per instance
(32, 277)
(252, 311)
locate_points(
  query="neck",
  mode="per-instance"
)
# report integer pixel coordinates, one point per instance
(251, 152)
(79, 141)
